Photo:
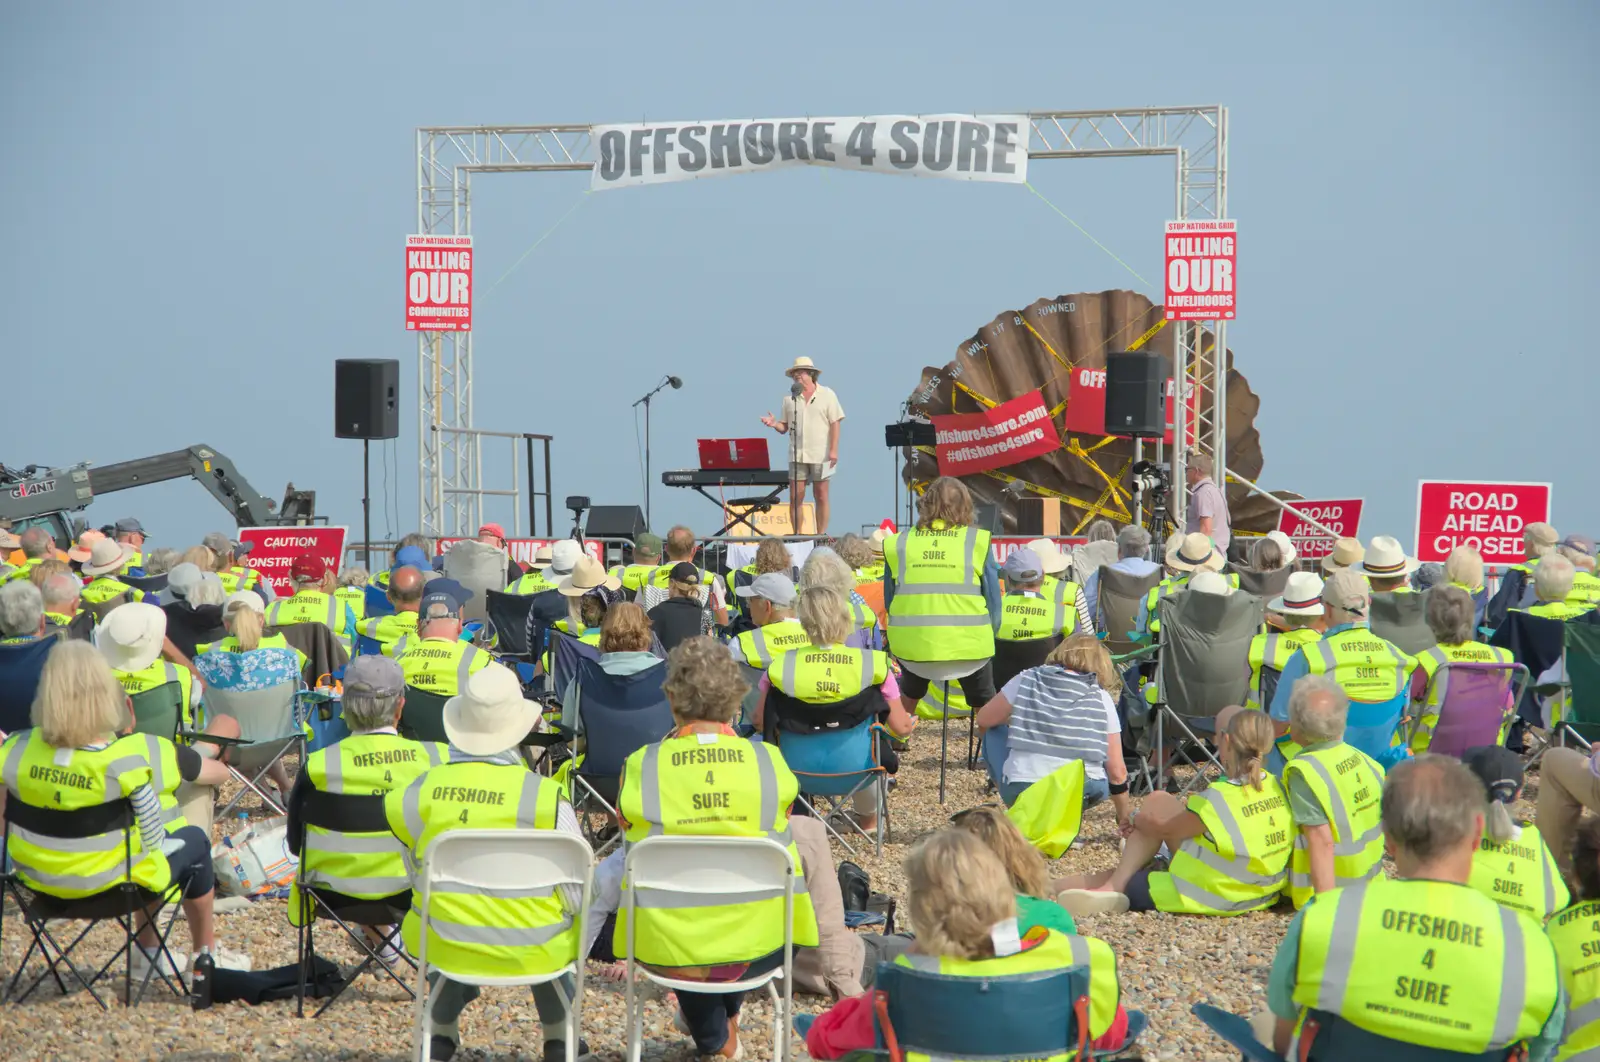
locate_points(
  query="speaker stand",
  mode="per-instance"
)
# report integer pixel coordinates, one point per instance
(366, 503)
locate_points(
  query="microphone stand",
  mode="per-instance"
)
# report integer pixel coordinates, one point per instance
(666, 382)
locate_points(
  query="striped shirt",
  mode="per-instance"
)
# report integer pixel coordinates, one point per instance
(1056, 716)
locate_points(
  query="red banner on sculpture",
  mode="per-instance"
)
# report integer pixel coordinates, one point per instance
(995, 438)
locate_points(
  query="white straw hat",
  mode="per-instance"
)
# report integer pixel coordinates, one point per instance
(1208, 582)
(131, 635)
(587, 575)
(803, 362)
(1050, 555)
(1386, 559)
(1302, 596)
(489, 715)
(1195, 553)
(107, 555)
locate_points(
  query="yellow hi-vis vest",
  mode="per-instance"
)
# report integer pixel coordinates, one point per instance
(159, 673)
(238, 578)
(23, 570)
(533, 582)
(470, 933)
(635, 577)
(1520, 874)
(871, 573)
(438, 665)
(1365, 666)
(823, 674)
(1430, 660)
(1168, 586)
(1042, 949)
(1028, 616)
(1585, 591)
(103, 589)
(1241, 862)
(68, 780)
(760, 647)
(932, 705)
(354, 598)
(710, 785)
(1428, 963)
(938, 611)
(1575, 933)
(1556, 610)
(1274, 650)
(865, 619)
(386, 630)
(363, 863)
(1063, 592)
(1348, 784)
(308, 606)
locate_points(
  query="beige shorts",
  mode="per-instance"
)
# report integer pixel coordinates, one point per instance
(803, 472)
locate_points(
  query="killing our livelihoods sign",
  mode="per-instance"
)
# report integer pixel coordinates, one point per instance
(1005, 435)
(438, 283)
(962, 147)
(1489, 517)
(1201, 259)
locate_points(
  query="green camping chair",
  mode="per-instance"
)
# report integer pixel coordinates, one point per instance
(1580, 666)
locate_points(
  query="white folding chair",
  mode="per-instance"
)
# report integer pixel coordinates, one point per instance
(667, 871)
(509, 864)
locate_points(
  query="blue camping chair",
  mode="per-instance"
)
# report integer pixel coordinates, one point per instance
(1370, 726)
(20, 665)
(1333, 1040)
(620, 715)
(377, 601)
(975, 1017)
(566, 654)
(836, 765)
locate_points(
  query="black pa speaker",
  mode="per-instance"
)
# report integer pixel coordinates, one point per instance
(1135, 380)
(615, 521)
(986, 517)
(366, 398)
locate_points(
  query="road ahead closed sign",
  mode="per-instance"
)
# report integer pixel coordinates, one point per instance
(1343, 516)
(1489, 517)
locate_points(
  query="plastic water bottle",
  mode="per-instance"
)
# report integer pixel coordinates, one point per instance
(200, 980)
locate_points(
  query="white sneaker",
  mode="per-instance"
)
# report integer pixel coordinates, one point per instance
(169, 964)
(228, 959)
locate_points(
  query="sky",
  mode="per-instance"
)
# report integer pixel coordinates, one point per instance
(207, 206)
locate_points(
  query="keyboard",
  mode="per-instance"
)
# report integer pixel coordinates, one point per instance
(725, 477)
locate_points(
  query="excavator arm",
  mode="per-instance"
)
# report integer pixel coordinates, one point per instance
(27, 497)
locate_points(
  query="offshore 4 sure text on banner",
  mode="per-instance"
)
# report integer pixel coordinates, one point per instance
(1005, 435)
(962, 147)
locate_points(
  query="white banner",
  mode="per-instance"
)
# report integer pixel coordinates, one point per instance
(962, 147)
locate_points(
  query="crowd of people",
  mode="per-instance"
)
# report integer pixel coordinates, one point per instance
(685, 701)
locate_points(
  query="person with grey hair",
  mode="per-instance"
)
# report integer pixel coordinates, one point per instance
(1333, 793)
(21, 613)
(60, 593)
(1089, 558)
(1207, 511)
(36, 545)
(1451, 617)
(349, 867)
(826, 568)
(1552, 586)
(1266, 555)
(1133, 557)
(1367, 667)
(160, 561)
(1396, 958)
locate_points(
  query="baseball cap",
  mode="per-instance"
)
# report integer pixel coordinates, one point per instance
(129, 525)
(1345, 589)
(492, 529)
(411, 557)
(182, 580)
(684, 572)
(1581, 543)
(307, 566)
(240, 548)
(648, 544)
(372, 673)
(438, 604)
(1024, 565)
(1538, 532)
(217, 542)
(771, 586)
(1498, 768)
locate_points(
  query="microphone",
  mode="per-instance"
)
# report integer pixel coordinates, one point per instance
(675, 381)
(1015, 488)
(796, 391)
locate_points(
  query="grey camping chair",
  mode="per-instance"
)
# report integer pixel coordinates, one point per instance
(260, 689)
(480, 568)
(1265, 585)
(1203, 666)
(1402, 620)
(1117, 606)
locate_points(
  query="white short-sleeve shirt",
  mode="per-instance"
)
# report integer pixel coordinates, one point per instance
(808, 435)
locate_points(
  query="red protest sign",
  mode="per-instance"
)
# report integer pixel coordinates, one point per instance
(523, 549)
(1489, 517)
(277, 547)
(1008, 434)
(1086, 405)
(1342, 515)
(1201, 261)
(438, 283)
(1004, 547)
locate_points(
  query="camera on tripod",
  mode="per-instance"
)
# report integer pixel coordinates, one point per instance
(1151, 478)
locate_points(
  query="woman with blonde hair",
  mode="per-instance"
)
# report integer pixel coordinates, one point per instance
(826, 568)
(1232, 840)
(963, 908)
(199, 556)
(941, 590)
(244, 618)
(79, 711)
(1047, 716)
(1030, 874)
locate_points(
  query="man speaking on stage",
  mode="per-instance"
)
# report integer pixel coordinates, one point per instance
(810, 416)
